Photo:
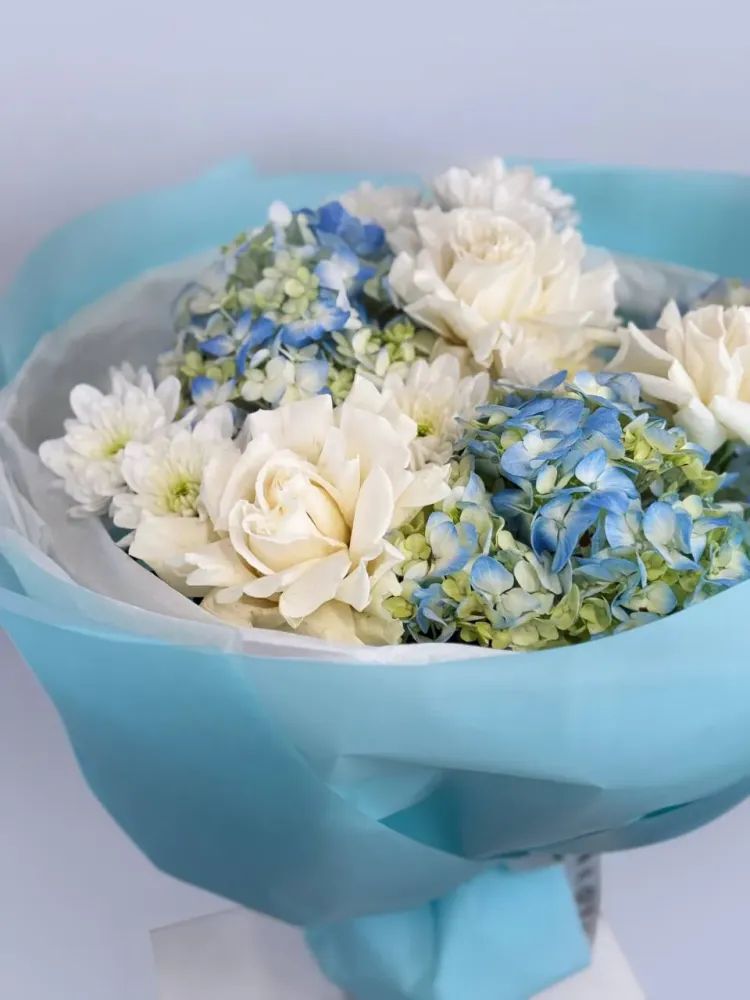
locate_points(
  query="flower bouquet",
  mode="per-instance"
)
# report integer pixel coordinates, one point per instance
(352, 552)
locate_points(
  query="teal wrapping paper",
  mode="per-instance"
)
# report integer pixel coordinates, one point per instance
(376, 804)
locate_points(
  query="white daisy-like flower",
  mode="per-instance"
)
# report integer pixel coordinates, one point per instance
(434, 396)
(495, 186)
(392, 208)
(89, 457)
(164, 476)
(510, 289)
(698, 367)
(302, 514)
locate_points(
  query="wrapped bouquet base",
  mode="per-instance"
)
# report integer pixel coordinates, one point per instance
(236, 955)
(389, 799)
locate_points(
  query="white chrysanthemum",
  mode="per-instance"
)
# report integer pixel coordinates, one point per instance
(89, 457)
(510, 289)
(434, 396)
(164, 476)
(502, 189)
(697, 365)
(389, 207)
(302, 517)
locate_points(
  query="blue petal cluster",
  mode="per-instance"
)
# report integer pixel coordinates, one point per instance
(291, 310)
(576, 511)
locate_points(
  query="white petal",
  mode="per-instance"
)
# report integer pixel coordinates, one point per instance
(215, 478)
(700, 425)
(373, 515)
(314, 587)
(343, 473)
(640, 353)
(169, 393)
(355, 589)
(428, 486)
(56, 456)
(245, 612)
(240, 481)
(216, 565)
(334, 622)
(86, 402)
(272, 555)
(217, 424)
(301, 427)
(374, 440)
(163, 542)
(734, 414)
(271, 584)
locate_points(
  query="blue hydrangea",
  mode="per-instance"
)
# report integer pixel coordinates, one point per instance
(291, 310)
(575, 512)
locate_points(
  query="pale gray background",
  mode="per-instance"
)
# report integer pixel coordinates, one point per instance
(104, 99)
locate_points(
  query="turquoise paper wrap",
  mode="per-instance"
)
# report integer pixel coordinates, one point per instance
(378, 805)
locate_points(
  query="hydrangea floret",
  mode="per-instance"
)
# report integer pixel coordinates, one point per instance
(575, 512)
(292, 310)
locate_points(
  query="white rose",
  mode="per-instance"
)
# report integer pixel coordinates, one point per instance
(303, 513)
(502, 189)
(697, 366)
(501, 285)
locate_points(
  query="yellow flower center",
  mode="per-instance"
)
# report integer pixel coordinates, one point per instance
(182, 496)
(114, 446)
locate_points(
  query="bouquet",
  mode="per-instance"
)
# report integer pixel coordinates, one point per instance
(309, 536)
(410, 416)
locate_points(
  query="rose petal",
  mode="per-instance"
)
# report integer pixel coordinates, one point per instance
(373, 515)
(701, 425)
(355, 588)
(734, 414)
(241, 474)
(161, 543)
(316, 585)
(334, 622)
(301, 427)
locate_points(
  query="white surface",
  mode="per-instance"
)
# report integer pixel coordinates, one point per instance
(78, 900)
(609, 977)
(238, 955)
